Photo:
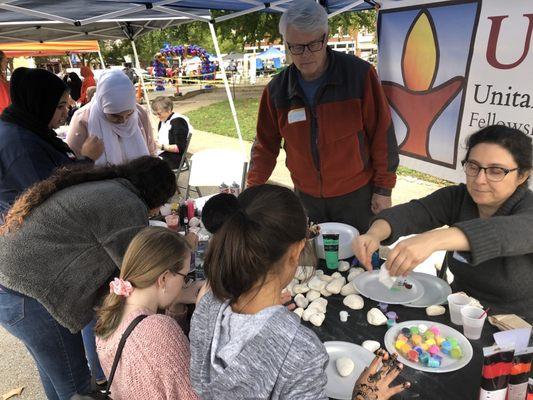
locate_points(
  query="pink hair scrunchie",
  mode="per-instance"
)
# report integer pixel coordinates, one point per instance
(120, 287)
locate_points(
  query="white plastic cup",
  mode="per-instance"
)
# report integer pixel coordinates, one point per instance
(472, 323)
(166, 209)
(456, 301)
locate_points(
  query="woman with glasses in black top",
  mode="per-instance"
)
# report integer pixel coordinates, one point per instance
(489, 225)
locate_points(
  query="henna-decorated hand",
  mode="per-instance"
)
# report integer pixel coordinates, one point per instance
(374, 382)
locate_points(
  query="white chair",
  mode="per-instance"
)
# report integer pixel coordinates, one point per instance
(213, 167)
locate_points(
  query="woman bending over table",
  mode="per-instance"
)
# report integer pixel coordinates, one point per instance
(489, 219)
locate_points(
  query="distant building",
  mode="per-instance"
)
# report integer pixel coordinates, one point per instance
(360, 43)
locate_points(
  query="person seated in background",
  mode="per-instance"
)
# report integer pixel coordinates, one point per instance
(489, 219)
(244, 342)
(172, 131)
(115, 117)
(217, 210)
(155, 360)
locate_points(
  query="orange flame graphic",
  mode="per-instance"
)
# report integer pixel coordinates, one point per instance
(419, 61)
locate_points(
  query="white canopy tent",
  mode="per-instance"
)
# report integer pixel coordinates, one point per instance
(57, 20)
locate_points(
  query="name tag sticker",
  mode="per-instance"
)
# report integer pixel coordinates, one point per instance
(297, 115)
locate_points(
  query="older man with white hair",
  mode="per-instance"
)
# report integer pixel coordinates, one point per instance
(330, 111)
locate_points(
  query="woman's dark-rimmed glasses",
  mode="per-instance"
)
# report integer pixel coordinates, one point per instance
(493, 174)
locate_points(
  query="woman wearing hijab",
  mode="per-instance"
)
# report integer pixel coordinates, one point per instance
(114, 116)
(88, 81)
(4, 84)
(29, 148)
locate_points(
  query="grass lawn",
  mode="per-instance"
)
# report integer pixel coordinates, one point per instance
(217, 118)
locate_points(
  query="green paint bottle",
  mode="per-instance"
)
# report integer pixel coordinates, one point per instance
(331, 249)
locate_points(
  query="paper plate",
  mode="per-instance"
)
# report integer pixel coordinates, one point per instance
(448, 364)
(154, 222)
(368, 285)
(339, 387)
(436, 290)
(346, 234)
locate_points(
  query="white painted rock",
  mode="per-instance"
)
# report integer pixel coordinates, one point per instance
(299, 311)
(301, 301)
(336, 275)
(348, 289)
(343, 315)
(344, 366)
(304, 272)
(308, 312)
(316, 283)
(317, 319)
(319, 305)
(290, 286)
(326, 278)
(300, 288)
(319, 272)
(435, 310)
(343, 266)
(422, 328)
(325, 293)
(354, 301)
(312, 295)
(354, 272)
(335, 286)
(371, 345)
(376, 317)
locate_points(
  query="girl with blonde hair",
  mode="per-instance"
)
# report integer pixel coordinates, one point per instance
(155, 360)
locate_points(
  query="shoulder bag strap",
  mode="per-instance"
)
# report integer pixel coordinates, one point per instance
(121, 344)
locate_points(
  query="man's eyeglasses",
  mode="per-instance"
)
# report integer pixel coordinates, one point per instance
(313, 47)
(493, 174)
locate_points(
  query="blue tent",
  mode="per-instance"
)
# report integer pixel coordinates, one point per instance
(270, 54)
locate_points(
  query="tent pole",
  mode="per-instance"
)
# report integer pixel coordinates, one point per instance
(101, 59)
(70, 61)
(138, 65)
(227, 87)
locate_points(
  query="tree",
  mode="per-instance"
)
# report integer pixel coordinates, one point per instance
(233, 34)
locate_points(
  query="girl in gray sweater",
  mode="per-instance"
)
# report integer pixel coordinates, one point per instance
(244, 343)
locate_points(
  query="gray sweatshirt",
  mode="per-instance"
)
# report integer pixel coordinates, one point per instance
(284, 360)
(69, 247)
(498, 269)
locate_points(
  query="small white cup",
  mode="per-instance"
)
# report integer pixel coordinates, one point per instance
(166, 209)
(456, 301)
(472, 323)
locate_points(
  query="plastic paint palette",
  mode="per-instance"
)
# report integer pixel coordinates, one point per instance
(438, 349)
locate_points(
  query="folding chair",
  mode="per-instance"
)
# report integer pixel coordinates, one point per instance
(184, 162)
(212, 167)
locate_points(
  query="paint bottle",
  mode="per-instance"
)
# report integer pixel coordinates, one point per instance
(190, 209)
(497, 365)
(331, 249)
(520, 372)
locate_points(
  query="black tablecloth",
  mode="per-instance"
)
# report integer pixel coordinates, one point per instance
(462, 384)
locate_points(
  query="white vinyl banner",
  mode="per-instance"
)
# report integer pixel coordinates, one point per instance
(451, 68)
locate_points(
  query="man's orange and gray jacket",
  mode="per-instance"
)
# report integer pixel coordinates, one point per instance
(341, 144)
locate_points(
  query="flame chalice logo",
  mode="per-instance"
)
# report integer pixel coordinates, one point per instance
(418, 103)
